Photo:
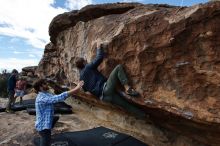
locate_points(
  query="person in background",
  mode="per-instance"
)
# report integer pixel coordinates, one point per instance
(20, 88)
(103, 88)
(11, 84)
(45, 119)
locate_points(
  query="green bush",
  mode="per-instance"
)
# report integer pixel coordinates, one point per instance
(3, 87)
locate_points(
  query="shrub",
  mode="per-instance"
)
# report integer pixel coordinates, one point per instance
(3, 83)
(3, 87)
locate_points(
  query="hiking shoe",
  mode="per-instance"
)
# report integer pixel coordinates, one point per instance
(132, 92)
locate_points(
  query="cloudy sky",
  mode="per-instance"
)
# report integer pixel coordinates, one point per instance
(24, 26)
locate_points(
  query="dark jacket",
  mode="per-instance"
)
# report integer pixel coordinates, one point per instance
(93, 79)
(11, 84)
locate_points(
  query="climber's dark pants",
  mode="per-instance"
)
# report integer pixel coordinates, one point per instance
(11, 99)
(45, 135)
(110, 93)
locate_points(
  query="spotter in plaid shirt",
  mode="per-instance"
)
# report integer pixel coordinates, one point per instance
(45, 110)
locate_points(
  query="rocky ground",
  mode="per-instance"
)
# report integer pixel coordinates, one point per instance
(18, 129)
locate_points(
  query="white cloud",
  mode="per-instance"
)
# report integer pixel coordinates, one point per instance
(28, 19)
(77, 4)
(16, 52)
(13, 63)
(128, 1)
(31, 55)
(14, 40)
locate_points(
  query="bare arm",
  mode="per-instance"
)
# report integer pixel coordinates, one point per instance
(76, 89)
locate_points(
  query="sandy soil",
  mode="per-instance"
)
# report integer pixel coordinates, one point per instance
(18, 129)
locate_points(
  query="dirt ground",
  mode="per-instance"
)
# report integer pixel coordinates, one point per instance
(18, 129)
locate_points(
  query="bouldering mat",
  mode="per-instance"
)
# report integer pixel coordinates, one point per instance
(99, 136)
(60, 107)
(57, 110)
(2, 109)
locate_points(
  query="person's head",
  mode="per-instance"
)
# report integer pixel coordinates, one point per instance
(80, 63)
(14, 71)
(41, 85)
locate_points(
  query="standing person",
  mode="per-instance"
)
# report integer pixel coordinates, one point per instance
(45, 119)
(103, 88)
(20, 88)
(11, 84)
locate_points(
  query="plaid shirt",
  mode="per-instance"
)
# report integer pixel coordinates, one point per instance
(45, 109)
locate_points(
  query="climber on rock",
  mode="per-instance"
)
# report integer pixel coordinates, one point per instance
(103, 88)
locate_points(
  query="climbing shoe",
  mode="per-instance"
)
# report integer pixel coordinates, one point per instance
(132, 92)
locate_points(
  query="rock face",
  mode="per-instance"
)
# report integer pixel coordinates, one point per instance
(29, 71)
(29, 74)
(171, 55)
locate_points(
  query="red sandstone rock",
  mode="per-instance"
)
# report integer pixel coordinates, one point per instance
(171, 54)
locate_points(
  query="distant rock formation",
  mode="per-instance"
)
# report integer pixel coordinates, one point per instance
(29, 73)
(171, 54)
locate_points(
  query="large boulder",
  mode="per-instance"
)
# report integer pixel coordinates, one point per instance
(171, 55)
(29, 74)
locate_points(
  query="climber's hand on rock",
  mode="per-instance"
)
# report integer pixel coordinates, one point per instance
(104, 46)
(76, 89)
(80, 84)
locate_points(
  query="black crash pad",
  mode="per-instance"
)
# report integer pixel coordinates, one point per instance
(2, 109)
(57, 110)
(19, 107)
(99, 136)
(14, 108)
(25, 104)
(30, 103)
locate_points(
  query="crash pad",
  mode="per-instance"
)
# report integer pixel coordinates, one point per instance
(99, 136)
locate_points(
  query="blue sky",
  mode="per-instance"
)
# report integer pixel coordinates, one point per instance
(24, 26)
